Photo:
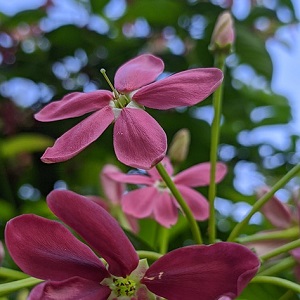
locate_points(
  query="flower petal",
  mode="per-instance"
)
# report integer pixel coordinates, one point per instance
(130, 178)
(138, 72)
(139, 140)
(46, 249)
(112, 189)
(167, 165)
(70, 289)
(165, 211)
(97, 227)
(79, 137)
(202, 272)
(197, 203)
(186, 88)
(199, 175)
(139, 203)
(277, 212)
(74, 105)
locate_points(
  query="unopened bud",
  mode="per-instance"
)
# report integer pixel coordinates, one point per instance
(223, 35)
(179, 147)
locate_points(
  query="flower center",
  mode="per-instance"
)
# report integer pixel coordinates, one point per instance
(123, 287)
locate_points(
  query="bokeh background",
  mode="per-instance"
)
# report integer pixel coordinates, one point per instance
(49, 48)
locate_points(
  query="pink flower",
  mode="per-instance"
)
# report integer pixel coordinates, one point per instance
(47, 250)
(155, 199)
(113, 192)
(139, 141)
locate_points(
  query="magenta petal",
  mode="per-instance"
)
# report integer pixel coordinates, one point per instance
(112, 189)
(46, 249)
(139, 141)
(138, 72)
(186, 88)
(79, 137)
(74, 105)
(277, 212)
(202, 272)
(199, 175)
(197, 203)
(139, 203)
(165, 211)
(128, 178)
(97, 227)
(70, 289)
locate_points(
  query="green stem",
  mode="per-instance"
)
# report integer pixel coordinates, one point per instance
(12, 274)
(289, 233)
(287, 296)
(259, 203)
(185, 208)
(215, 134)
(277, 281)
(7, 288)
(280, 266)
(280, 250)
(163, 240)
(149, 255)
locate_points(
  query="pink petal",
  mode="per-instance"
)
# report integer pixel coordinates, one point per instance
(139, 203)
(167, 165)
(197, 203)
(139, 140)
(199, 175)
(277, 212)
(202, 272)
(138, 72)
(112, 189)
(46, 249)
(79, 137)
(165, 211)
(131, 178)
(70, 289)
(186, 88)
(74, 105)
(99, 201)
(265, 246)
(97, 227)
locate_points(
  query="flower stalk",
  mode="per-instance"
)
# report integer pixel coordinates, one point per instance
(185, 208)
(264, 199)
(215, 134)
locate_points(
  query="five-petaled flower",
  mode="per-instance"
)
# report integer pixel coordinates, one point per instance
(47, 250)
(139, 141)
(155, 199)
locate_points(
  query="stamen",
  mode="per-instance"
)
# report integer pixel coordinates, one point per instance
(116, 94)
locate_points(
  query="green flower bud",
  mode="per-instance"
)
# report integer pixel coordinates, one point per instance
(179, 147)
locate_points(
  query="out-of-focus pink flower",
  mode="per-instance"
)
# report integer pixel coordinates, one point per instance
(2, 253)
(139, 141)
(155, 199)
(113, 192)
(47, 250)
(281, 216)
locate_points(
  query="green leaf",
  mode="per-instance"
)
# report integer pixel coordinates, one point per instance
(26, 142)
(251, 50)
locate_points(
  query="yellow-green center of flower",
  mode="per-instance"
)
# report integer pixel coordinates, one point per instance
(123, 286)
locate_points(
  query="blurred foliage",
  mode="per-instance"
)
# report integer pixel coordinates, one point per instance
(54, 55)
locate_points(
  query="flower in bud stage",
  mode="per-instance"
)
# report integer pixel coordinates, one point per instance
(223, 35)
(179, 147)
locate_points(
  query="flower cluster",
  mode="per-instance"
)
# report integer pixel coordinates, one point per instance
(47, 250)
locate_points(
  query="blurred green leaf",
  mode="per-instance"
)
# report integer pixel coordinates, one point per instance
(25, 142)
